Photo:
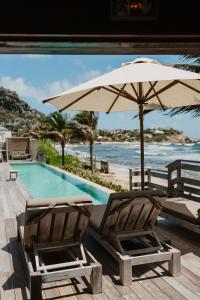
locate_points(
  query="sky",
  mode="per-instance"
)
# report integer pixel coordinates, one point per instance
(36, 77)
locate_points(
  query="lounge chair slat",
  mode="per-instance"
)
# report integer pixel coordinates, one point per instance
(143, 216)
(128, 218)
(132, 217)
(71, 224)
(64, 226)
(83, 223)
(126, 230)
(76, 233)
(45, 226)
(140, 209)
(51, 227)
(149, 223)
(57, 227)
(122, 217)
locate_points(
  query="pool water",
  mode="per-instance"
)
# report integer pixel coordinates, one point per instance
(43, 181)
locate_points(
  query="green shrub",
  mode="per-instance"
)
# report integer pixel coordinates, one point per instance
(74, 165)
(51, 155)
(54, 158)
(94, 178)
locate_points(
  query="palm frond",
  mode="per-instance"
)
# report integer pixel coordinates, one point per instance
(193, 109)
(188, 67)
(194, 57)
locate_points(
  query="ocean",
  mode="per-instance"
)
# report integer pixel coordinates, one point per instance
(125, 156)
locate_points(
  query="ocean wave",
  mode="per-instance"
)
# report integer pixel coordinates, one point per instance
(157, 155)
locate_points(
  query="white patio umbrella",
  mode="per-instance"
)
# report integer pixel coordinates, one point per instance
(142, 84)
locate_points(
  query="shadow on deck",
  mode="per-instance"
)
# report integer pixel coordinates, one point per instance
(149, 281)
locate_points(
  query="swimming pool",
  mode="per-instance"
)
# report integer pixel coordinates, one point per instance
(43, 181)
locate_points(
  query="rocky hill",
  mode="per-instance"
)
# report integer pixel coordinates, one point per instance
(16, 113)
(169, 135)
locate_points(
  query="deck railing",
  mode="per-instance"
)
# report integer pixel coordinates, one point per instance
(152, 177)
(182, 177)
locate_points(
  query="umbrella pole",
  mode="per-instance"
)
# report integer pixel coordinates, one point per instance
(141, 115)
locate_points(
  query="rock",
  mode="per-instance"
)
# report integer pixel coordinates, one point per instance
(16, 112)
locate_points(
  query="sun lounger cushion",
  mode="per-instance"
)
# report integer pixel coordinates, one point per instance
(59, 200)
(183, 208)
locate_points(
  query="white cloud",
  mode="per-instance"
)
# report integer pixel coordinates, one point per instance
(28, 90)
(25, 89)
(89, 75)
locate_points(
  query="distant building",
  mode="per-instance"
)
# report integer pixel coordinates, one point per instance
(4, 133)
(159, 131)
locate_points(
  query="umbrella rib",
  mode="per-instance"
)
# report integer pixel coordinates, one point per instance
(161, 104)
(114, 92)
(48, 100)
(126, 94)
(118, 93)
(78, 99)
(151, 88)
(115, 100)
(168, 86)
(189, 86)
(134, 89)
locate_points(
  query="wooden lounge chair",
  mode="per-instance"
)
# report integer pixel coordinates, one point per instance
(17, 150)
(183, 205)
(125, 228)
(51, 233)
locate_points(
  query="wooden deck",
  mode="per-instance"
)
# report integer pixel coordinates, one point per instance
(149, 281)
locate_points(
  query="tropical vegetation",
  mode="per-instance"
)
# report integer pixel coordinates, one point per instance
(85, 124)
(194, 67)
(59, 129)
(73, 165)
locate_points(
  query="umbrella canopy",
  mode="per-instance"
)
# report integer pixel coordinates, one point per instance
(141, 84)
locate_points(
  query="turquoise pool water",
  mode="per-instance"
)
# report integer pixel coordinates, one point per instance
(44, 182)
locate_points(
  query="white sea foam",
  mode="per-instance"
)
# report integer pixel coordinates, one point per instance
(128, 155)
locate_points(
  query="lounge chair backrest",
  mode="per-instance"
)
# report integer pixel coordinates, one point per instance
(130, 211)
(63, 219)
(18, 146)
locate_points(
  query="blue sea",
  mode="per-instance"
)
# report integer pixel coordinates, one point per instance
(157, 155)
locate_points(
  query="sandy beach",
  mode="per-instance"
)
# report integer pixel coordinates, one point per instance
(124, 155)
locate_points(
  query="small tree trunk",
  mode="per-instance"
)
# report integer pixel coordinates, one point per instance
(91, 158)
(63, 153)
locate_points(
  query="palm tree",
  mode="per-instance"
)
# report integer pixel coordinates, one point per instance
(194, 67)
(86, 123)
(60, 129)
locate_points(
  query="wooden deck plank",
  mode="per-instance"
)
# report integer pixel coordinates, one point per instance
(150, 286)
(18, 275)
(182, 289)
(149, 282)
(6, 286)
(190, 274)
(51, 291)
(179, 286)
(157, 279)
(65, 290)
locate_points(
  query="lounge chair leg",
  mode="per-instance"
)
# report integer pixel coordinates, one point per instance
(125, 272)
(35, 287)
(96, 279)
(174, 264)
(18, 235)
